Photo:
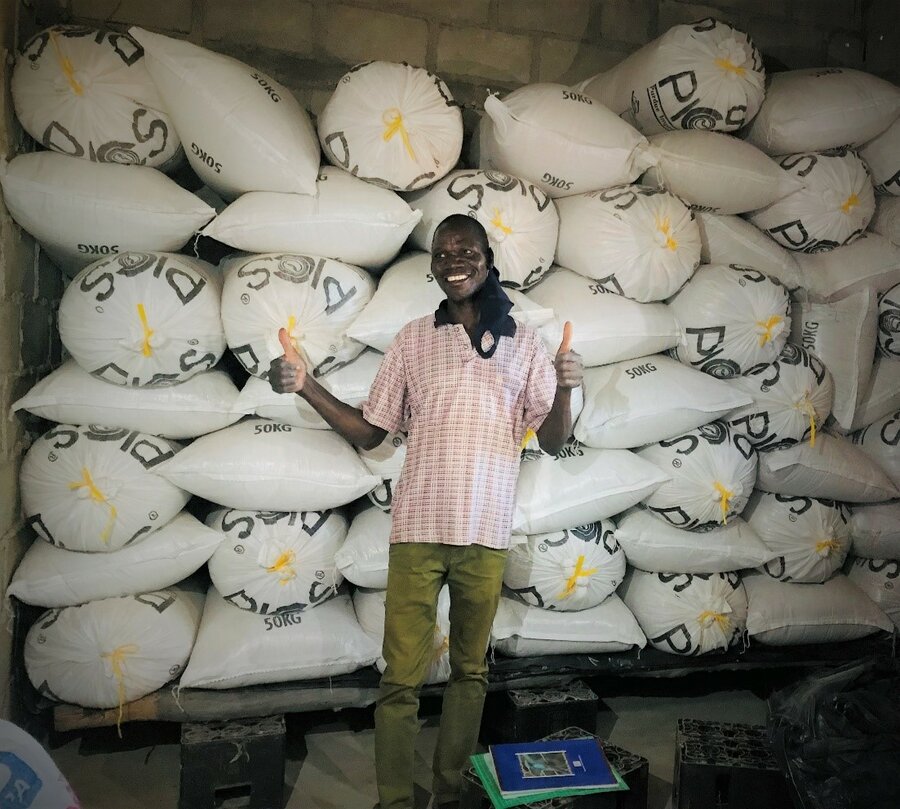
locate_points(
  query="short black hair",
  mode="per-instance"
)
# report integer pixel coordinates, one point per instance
(459, 221)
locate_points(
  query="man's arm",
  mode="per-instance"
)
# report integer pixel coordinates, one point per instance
(557, 426)
(288, 374)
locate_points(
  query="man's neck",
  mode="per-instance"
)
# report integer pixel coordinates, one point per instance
(466, 312)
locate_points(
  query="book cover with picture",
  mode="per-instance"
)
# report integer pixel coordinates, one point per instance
(560, 764)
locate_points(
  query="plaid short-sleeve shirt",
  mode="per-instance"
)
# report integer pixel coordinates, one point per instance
(466, 417)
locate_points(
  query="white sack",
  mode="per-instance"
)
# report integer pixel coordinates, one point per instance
(241, 129)
(81, 211)
(393, 125)
(606, 327)
(687, 614)
(369, 608)
(522, 631)
(260, 465)
(809, 538)
(732, 240)
(236, 647)
(635, 241)
(49, 576)
(143, 319)
(833, 469)
(822, 108)
(30, 773)
(886, 220)
(521, 220)
(87, 93)
(653, 545)
(314, 298)
(875, 530)
(276, 561)
(889, 323)
(70, 395)
(579, 485)
(791, 400)
(703, 75)
(712, 471)
(881, 442)
(882, 158)
(842, 336)
(348, 220)
(363, 558)
(561, 140)
(877, 578)
(871, 262)
(96, 488)
(882, 396)
(793, 613)
(832, 208)
(350, 383)
(386, 462)
(112, 651)
(568, 570)
(717, 173)
(636, 402)
(731, 318)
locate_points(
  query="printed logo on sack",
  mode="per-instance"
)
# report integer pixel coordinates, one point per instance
(527, 595)
(890, 568)
(318, 594)
(889, 325)
(206, 158)
(382, 496)
(147, 450)
(607, 286)
(23, 786)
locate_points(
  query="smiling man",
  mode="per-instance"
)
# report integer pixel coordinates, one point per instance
(466, 383)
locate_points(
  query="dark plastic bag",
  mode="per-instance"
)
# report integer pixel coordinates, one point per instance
(837, 735)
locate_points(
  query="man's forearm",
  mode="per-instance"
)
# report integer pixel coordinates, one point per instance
(557, 427)
(346, 420)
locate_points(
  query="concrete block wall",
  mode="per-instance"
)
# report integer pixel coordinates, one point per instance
(30, 289)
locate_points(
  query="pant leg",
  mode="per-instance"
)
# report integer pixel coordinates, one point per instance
(416, 573)
(475, 578)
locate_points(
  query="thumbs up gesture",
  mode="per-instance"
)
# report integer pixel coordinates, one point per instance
(288, 372)
(568, 363)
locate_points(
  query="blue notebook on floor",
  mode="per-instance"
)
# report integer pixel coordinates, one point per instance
(545, 765)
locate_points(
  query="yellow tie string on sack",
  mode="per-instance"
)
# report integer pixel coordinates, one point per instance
(826, 547)
(665, 227)
(730, 67)
(66, 66)
(393, 122)
(146, 348)
(708, 617)
(529, 434)
(284, 566)
(116, 660)
(497, 222)
(572, 581)
(767, 326)
(443, 647)
(807, 407)
(724, 496)
(87, 482)
(850, 204)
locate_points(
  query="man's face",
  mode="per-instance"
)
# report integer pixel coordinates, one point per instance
(458, 262)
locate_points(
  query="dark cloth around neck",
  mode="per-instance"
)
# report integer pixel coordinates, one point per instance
(494, 306)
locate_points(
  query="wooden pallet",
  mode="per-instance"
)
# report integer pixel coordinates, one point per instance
(360, 689)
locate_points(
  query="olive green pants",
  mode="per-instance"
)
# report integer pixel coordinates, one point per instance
(416, 573)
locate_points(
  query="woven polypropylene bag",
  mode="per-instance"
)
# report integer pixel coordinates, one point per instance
(143, 319)
(568, 570)
(882, 157)
(87, 93)
(703, 75)
(881, 442)
(393, 125)
(635, 241)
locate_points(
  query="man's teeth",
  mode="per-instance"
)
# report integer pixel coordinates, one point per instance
(454, 278)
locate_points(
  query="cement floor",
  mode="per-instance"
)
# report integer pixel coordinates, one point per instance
(330, 754)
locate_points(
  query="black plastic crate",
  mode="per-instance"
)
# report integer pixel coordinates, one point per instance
(722, 765)
(235, 763)
(526, 714)
(633, 768)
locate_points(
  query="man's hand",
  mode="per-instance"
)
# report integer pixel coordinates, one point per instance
(568, 363)
(287, 373)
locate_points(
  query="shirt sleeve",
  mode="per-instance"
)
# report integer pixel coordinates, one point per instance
(386, 406)
(540, 389)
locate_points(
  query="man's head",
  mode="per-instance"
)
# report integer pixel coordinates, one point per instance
(461, 257)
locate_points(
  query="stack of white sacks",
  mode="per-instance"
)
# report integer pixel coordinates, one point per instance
(726, 250)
